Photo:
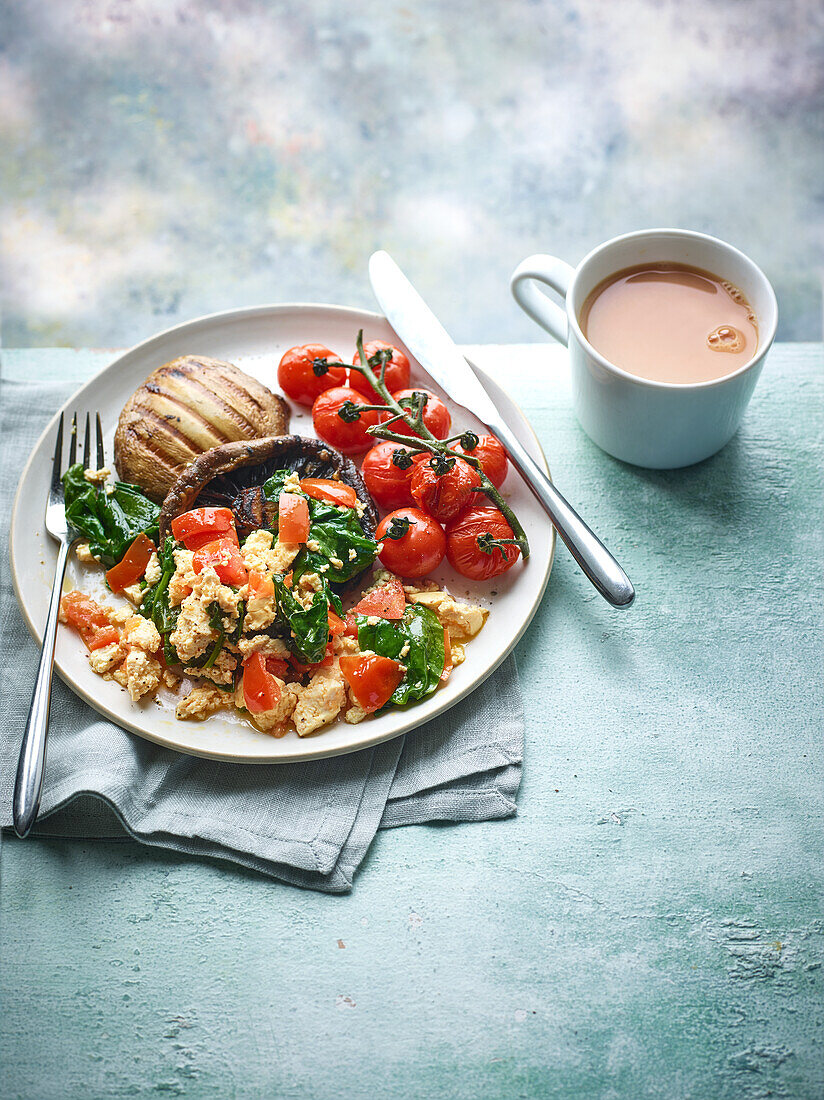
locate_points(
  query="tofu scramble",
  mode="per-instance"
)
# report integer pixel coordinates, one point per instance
(256, 623)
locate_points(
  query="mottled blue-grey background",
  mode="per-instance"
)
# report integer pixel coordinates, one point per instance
(166, 158)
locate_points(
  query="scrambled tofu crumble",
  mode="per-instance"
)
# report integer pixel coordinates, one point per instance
(213, 629)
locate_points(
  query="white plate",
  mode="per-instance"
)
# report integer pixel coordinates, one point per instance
(255, 339)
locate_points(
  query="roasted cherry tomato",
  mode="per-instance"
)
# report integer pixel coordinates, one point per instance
(488, 450)
(388, 601)
(201, 525)
(435, 414)
(132, 565)
(226, 560)
(371, 678)
(306, 372)
(338, 421)
(333, 492)
(443, 487)
(397, 370)
(413, 543)
(387, 469)
(89, 619)
(261, 691)
(472, 546)
(293, 518)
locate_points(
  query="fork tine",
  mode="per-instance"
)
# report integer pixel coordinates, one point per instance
(101, 457)
(58, 456)
(73, 442)
(87, 443)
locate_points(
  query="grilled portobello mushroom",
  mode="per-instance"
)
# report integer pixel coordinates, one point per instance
(233, 476)
(188, 406)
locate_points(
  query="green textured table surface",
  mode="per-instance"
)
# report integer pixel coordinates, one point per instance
(649, 925)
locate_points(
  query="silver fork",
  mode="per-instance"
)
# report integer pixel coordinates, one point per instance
(31, 765)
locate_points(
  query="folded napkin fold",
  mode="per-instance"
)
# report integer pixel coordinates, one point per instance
(310, 823)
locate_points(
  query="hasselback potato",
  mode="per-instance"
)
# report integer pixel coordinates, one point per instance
(184, 408)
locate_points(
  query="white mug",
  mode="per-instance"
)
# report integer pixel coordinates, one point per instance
(660, 425)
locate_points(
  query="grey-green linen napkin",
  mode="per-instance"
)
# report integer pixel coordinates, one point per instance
(311, 823)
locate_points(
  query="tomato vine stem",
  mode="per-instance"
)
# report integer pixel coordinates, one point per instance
(424, 440)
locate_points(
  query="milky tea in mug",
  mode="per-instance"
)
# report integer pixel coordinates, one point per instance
(670, 323)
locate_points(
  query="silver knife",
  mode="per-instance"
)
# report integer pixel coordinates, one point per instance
(437, 353)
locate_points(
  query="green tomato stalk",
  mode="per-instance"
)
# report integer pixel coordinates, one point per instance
(412, 418)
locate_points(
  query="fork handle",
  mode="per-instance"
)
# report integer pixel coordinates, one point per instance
(31, 765)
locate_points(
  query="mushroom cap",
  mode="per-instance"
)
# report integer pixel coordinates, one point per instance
(225, 474)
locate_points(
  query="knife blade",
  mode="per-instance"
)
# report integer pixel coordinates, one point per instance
(434, 349)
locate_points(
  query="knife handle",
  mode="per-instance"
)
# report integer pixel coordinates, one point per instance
(593, 557)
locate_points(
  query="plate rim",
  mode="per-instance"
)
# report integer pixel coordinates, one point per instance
(281, 758)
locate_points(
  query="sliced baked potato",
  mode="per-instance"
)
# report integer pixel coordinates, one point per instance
(184, 408)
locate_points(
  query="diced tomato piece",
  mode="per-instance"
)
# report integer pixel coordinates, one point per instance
(388, 601)
(293, 518)
(132, 565)
(197, 542)
(372, 678)
(336, 623)
(89, 619)
(82, 611)
(261, 585)
(447, 655)
(261, 691)
(288, 580)
(351, 630)
(225, 558)
(278, 666)
(106, 635)
(191, 527)
(333, 492)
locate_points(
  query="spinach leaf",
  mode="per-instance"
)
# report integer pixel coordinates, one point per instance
(336, 530)
(111, 522)
(336, 538)
(273, 487)
(425, 658)
(155, 604)
(308, 628)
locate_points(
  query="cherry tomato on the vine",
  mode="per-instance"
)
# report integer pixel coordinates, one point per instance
(397, 369)
(489, 452)
(339, 421)
(304, 372)
(435, 414)
(387, 470)
(413, 542)
(471, 544)
(443, 485)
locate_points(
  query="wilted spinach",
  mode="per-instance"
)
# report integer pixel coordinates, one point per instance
(155, 603)
(425, 658)
(110, 521)
(336, 530)
(306, 629)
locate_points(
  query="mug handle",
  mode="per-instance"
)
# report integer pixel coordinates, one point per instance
(553, 273)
